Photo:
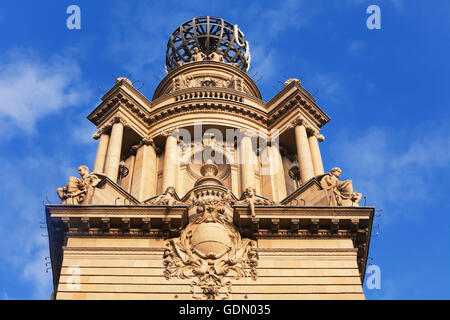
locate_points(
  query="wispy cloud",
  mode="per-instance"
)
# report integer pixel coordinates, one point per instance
(32, 87)
(139, 46)
(355, 47)
(395, 169)
(25, 183)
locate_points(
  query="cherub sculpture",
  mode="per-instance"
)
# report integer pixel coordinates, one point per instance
(77, 188)
(343, 190)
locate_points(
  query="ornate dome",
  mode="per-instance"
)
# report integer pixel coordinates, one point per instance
(208, 34)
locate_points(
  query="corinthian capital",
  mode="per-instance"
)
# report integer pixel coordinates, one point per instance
(320, 137)
(311, 131)
(298, 121)
(148, 140)
(119, 118)
(97, 135)
(247, 133)
(169, 132)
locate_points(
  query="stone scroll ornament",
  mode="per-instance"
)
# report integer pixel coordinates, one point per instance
(209, 251)
(343, 190)
(76, 191)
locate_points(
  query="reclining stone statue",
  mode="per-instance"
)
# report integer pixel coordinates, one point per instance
(168, 198)
(77, 188)
(343, 190)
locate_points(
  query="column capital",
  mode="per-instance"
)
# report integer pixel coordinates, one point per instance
(247, 133)
(134, 149)
(147, 140)
(169, 132)
(105, 129)
(97, 135)
(298, 121)
(320, 137)
(119, 118)
(311, 131)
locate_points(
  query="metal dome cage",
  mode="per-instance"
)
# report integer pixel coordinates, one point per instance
(208, 34)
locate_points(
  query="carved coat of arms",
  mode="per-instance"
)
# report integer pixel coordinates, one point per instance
(210, 251)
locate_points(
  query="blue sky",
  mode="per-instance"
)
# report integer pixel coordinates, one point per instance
(385, 90)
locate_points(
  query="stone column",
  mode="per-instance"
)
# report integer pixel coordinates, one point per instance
(103, 137)
(170, 161)
(272, 173)
(127, 182)
(246, 159)
(145, 176)
(305, 163)
(114, 150)
(313, 139)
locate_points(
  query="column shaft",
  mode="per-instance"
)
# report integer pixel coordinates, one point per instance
(144, 177)
(247, 163)
(170, 163)
(114, 150)
(315, 155)
(303, 153)
(272, 173)
(101, 153)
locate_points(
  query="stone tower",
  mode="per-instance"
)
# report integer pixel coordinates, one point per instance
(207, 191)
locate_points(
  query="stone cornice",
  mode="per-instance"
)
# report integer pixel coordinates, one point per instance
(280, 107)
(310, 223)
(191, 100)
(125, 86)
(115, 100)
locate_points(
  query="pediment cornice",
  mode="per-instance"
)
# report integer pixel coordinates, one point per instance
(291, 98)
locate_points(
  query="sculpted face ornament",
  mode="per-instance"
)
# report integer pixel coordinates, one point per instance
(209, 249)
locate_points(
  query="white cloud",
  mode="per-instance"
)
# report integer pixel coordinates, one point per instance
(393, 169)
(36, 272)
(25, 184)
(83, 131)
(328, 86)
(140, 46)
(355, 47)
(32, 87)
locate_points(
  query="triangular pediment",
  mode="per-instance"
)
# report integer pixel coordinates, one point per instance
(310, 194)
(106, 192)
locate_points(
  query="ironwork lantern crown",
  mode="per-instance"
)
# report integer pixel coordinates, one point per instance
(209, 35)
